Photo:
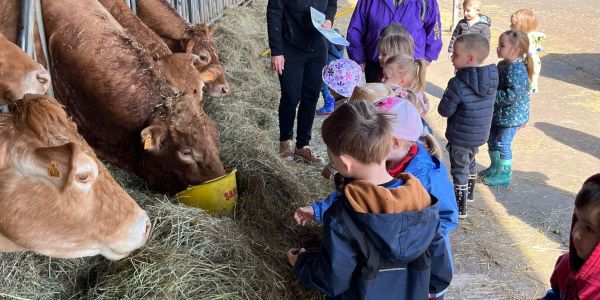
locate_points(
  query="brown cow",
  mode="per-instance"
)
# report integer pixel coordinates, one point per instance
(182, 36)
(56, 198)
(19, 75)
(122, 103)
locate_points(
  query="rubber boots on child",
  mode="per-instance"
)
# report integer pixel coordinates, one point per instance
(491, 171)
(461, 191)
(328, 106)
(502, 177)
(471, 187)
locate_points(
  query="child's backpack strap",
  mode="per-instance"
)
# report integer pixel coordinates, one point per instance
(372, 261)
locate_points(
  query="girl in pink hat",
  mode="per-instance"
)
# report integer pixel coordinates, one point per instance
(341, 76)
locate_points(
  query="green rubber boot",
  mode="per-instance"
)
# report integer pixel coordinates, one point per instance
(491, 171)
(502, 177)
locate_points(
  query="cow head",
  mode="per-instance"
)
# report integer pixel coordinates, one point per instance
(198, 39)
(56, 197)
(181, 72)
(19, 74)
(181, 141)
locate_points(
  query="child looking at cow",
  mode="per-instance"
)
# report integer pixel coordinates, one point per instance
(525, 21)
(468, 103)
(352, 263)
(473, 22)
(511, 109)
(576, 273)
(341, 76)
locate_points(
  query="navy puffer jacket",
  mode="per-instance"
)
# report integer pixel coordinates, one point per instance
(468, 103)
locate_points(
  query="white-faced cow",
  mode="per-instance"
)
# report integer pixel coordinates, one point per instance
(122, 102)
(183, 37)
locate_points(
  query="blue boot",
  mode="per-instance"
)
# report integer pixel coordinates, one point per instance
(502, 176)
(328, 106)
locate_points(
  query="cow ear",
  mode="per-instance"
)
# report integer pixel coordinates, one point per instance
(208, 75)
(188, 45)
(152, 137)
(66, 164)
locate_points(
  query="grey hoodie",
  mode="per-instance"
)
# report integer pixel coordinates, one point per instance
(468, 103)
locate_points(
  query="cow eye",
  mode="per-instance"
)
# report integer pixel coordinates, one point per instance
(203, 58)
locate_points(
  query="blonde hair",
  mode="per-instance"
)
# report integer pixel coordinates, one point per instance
(396, 44)
(475, 3)
(404, 65)
(393, 29)
(475, 43)
(360, 130)
(520, 40)
(524, 20)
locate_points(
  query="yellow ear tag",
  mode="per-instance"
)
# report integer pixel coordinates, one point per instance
(53, 170)
(148, 143)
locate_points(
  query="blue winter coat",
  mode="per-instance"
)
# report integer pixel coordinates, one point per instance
(420, 17)
(433, 175)
(468, 103)
(411, 240)
(512, 100)
(434, 178)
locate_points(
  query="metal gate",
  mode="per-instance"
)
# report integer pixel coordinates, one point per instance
(198, 11)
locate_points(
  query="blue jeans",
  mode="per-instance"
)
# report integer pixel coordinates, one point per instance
(501, 139)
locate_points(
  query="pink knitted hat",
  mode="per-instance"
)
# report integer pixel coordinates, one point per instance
(407, 121)
(342, 75)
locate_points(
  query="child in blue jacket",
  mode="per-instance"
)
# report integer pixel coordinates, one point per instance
(381, 236)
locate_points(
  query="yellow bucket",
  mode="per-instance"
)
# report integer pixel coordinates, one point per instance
(217, 196)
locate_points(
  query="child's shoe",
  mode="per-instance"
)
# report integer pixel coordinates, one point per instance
(491, 171)
(502, 177)
(460, 191)
(328, 106)
(471, 187)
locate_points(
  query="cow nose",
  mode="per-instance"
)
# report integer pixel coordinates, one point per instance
(148, 228)
(225, 89)
(43, 77)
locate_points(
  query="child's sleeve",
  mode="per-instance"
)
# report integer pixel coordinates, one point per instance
(441, 269)
(330, 270)
(455, 34)
(516, 87)
(320, 206)
(450, 100)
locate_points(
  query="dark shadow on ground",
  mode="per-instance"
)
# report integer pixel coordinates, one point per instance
(575, 139)
(434, 90)
(552, 217)
(582, 69)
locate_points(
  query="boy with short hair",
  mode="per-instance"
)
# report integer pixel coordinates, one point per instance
(473, 22)
(576, 274)
(381, 236)
(468, 103)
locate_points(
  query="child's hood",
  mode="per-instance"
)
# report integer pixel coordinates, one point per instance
(485, 20)
(401, 221)
(482, 80)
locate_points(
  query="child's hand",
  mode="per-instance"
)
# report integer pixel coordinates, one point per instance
(327, 24)
(304, 215)
(292, 255)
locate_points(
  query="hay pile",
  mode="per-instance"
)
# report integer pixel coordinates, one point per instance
(191, 254)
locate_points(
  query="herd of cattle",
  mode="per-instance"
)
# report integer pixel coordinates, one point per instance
(128, 90)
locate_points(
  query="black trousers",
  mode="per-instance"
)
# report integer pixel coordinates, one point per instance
(373, 72)
(300, 85)
(462, 162)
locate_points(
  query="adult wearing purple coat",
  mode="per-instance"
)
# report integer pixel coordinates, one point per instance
(421, 18)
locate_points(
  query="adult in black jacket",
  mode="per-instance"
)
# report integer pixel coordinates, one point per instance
(298, 54)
